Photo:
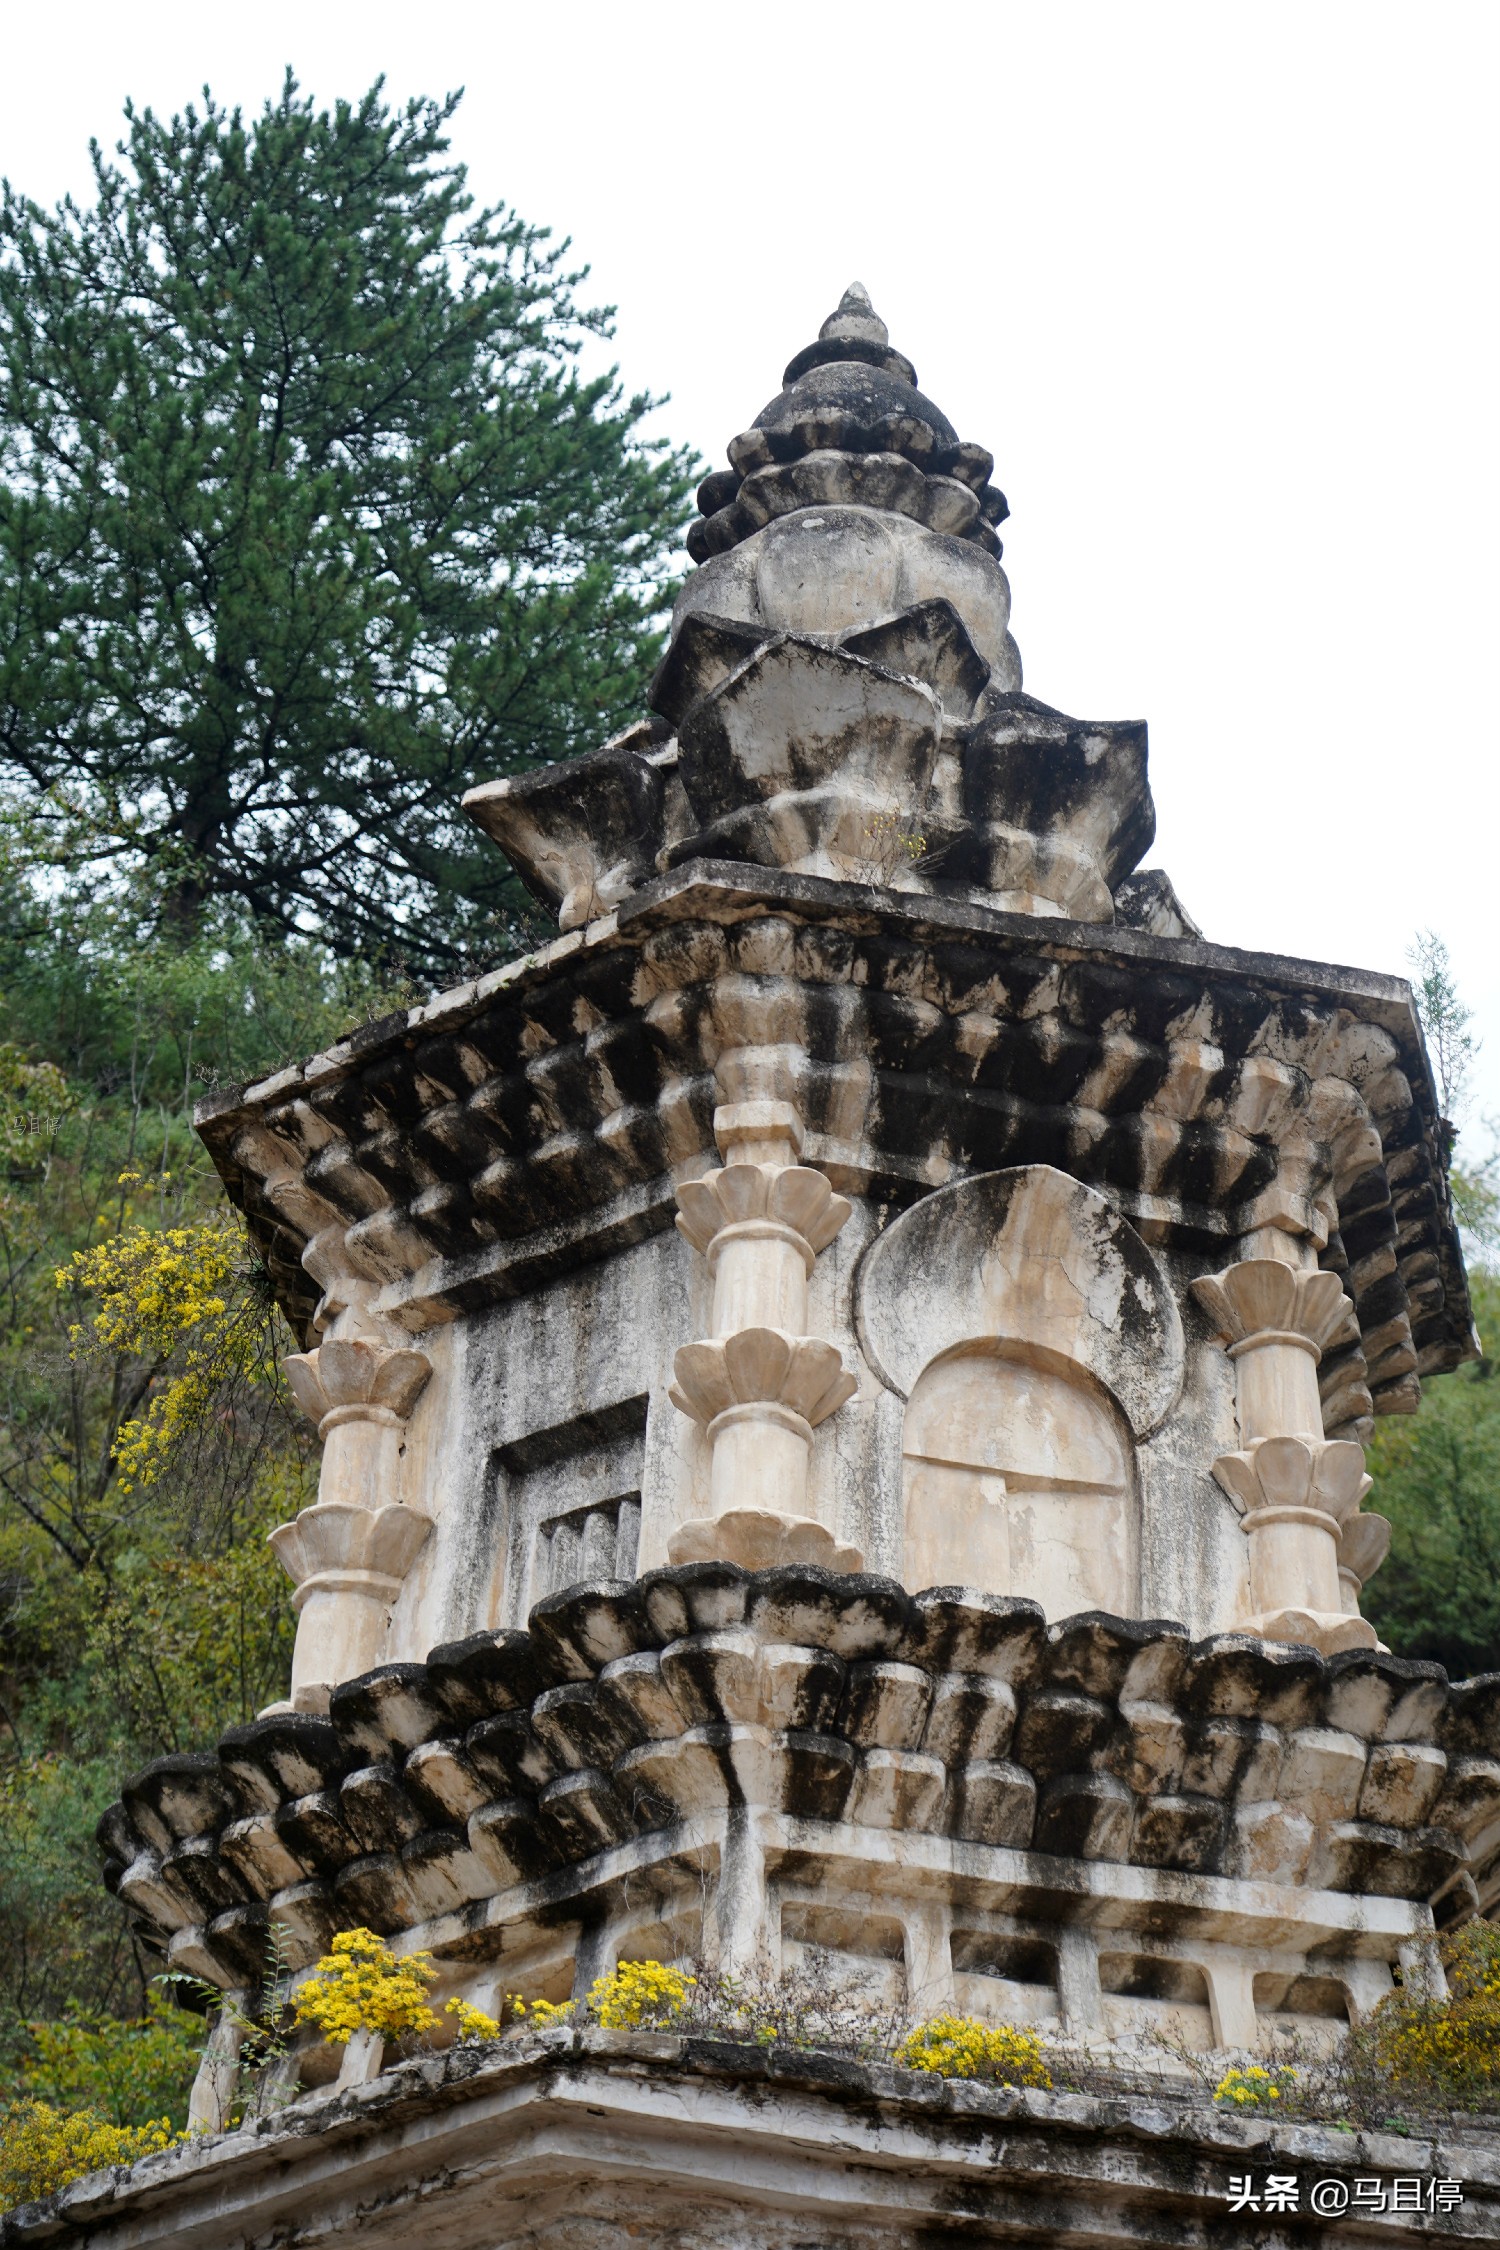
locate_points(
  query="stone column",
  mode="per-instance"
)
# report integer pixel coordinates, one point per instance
(350, 1552)
(759, 1385)
(1299, 1490)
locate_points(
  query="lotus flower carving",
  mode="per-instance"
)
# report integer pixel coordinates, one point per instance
(790, 1195)
(761, 1366)
(347, 1372)
(1364, 1543)
(1261, 1293)
(374, 1545)
(1287, 1472)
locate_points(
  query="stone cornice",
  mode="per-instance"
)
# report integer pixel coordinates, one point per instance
(435, 1148)
(867, 1719)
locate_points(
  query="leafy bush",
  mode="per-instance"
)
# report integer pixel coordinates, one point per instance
(127, 2071)
(1447, 2052)
(42, 2149)
(963, 2047)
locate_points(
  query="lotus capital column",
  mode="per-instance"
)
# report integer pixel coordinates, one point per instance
(1298, 1491)
(759, 1385)
(349, 1554)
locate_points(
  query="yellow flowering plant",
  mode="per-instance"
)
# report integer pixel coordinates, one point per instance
(165, 1292)
(43, 2149)
(1448, 2049)
(963, 2047)
(539, 2015)
(636, 1996)
(473, 2023)
(361, 1985)
(639, 1996)
(1256, 2086)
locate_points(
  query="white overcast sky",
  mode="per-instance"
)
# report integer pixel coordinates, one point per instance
(1217, 284)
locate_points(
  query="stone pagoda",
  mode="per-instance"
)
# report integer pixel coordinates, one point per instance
(842, 1381)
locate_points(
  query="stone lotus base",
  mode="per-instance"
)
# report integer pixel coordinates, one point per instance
(585, 2142)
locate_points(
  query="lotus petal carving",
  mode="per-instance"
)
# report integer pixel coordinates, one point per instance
(761, 1366)
(334, 1536)
(1364, 1543)
(1287, 1472)
(1261, 1293)
(791, 1194)
(345, 1371)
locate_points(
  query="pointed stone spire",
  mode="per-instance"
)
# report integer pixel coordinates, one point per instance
(855, 316)
(854, 330)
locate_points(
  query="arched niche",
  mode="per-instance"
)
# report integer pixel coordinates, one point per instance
(1033, 1338)
(1017, 1476)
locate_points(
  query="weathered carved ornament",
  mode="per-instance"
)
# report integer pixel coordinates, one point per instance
(759, 1385)
(350, 1552)
(1300, 1492)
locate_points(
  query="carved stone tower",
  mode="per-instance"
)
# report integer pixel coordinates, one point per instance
(843, 1382)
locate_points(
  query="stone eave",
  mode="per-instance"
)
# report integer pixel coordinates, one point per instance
(673, 2134)
(572, 1226)
(285, 1821)
(738, 891)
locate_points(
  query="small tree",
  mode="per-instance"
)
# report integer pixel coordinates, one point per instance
(1445, 1020)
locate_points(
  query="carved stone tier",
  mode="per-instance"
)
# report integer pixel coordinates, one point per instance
(349, 1554)
(861, 760)
(839, 696)
(946, 1040)
(850, 426)
(1098, 1785)
(1299, 1491)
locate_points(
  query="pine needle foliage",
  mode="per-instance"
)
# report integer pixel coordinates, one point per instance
(311, 515)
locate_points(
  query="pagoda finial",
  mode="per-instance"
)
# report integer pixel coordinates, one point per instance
(854, 330)
(855, 316)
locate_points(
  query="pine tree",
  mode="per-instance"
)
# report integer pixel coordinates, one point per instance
(309, 517)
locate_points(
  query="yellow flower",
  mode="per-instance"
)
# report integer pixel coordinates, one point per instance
(963, 2047)
(540, 2014)
(473, 2023)
(161, 1293)
(42, 2149)
(639, 1994)
(360, 1985)
(1253, 2085)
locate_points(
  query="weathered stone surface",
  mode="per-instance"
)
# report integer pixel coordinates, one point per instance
(799, 753)
(831, 1698)
(705, 2144)
(1027, 1250)
(1031, 1257)
(1059, 809)
(1011, 1037)
(580, 834)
